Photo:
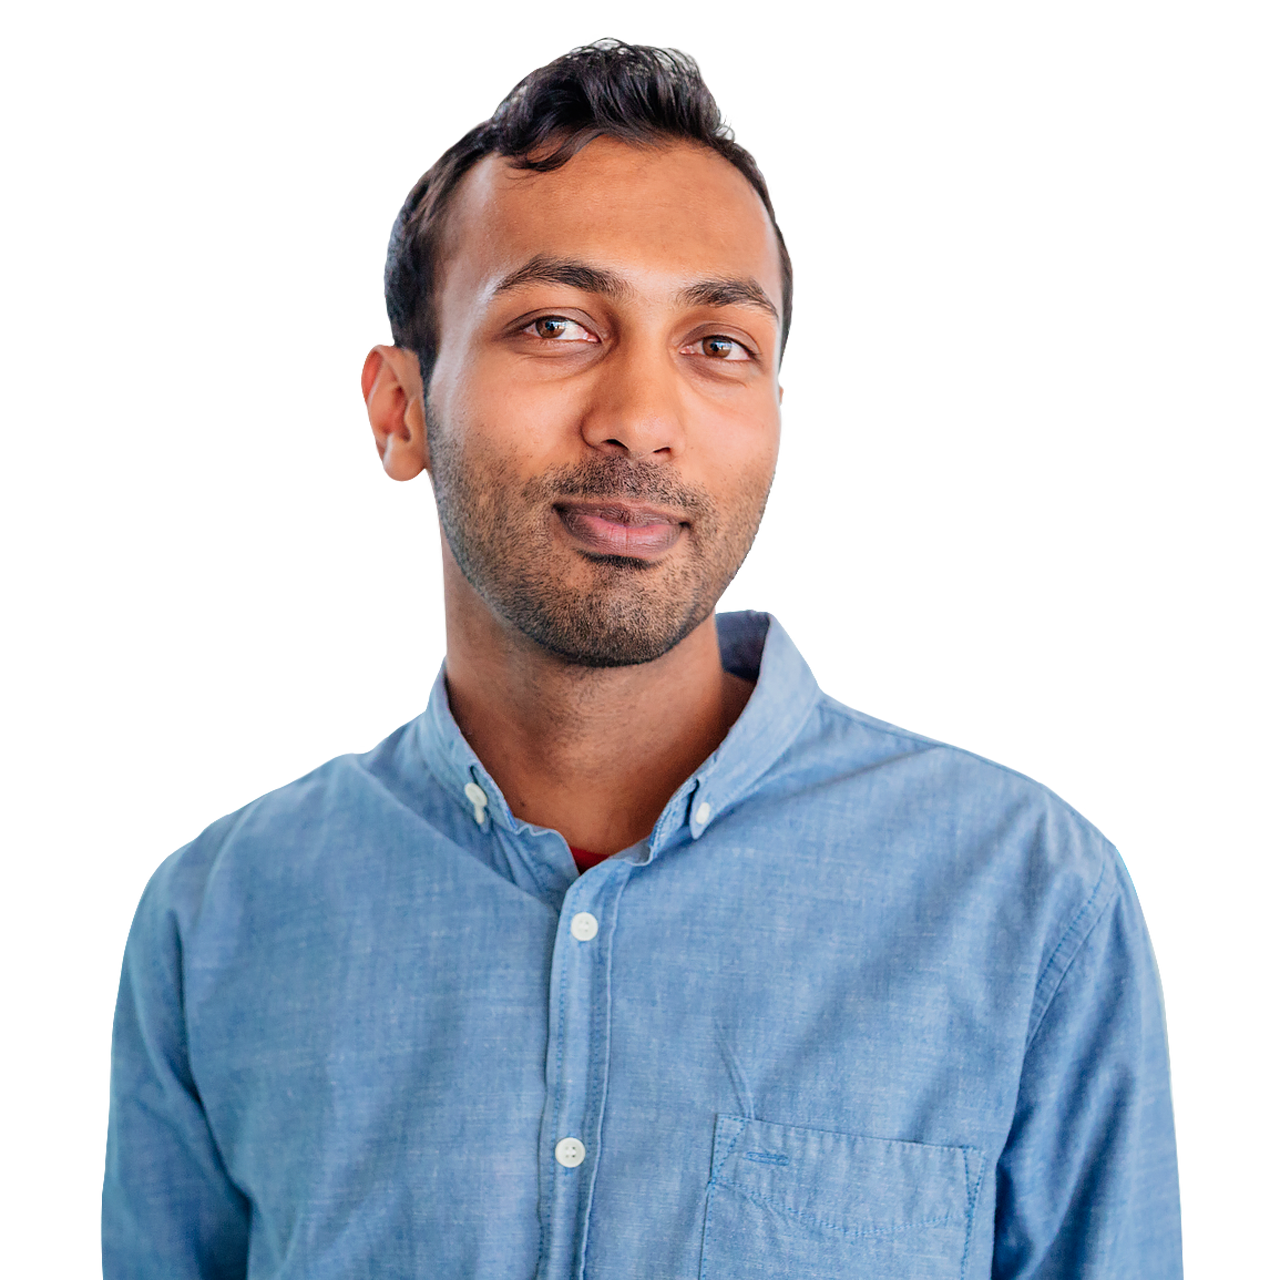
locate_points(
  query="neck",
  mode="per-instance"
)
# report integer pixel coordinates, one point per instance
(594, 753)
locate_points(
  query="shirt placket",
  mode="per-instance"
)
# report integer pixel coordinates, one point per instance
(577, 1066)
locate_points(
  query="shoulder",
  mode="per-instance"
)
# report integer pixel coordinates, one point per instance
(1002, 843)
(284, 837)
(937, 777)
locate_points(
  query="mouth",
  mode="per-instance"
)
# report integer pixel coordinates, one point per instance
(624, 529)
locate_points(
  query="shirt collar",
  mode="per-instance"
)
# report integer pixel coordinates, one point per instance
(752, 645)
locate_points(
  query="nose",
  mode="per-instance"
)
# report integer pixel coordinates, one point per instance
(635, 406)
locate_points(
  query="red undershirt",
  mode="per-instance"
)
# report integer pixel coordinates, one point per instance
(585, 859)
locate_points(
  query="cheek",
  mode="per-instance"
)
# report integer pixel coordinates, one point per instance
(498, 397)
(496, 449)
(740, 453)
(484, 423)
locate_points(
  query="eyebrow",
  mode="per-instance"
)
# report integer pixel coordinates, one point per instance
(728, 292)
(541, 269)
(723, 291)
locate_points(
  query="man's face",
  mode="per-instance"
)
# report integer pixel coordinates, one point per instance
(603, 413)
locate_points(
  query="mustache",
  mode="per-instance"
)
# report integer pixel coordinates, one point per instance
(599, 476)
(618, 477)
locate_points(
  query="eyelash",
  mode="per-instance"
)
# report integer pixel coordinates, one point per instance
(532, 326)
(748, 355)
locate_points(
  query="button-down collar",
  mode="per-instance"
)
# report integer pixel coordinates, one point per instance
(752, 645)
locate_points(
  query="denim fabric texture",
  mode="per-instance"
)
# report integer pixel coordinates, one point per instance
(863, 1005)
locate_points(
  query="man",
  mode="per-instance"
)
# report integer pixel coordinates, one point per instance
(634, 955)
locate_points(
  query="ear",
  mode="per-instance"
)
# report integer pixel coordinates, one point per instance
(392, 387)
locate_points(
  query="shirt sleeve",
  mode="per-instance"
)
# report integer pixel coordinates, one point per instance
(169, 1208)
(1087, 1186)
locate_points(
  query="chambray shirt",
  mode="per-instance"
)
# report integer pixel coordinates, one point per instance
(862, 1005)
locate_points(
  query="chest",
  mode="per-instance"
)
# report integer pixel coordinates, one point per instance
(775, 1071)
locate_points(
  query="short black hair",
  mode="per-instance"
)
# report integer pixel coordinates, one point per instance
(635, 93)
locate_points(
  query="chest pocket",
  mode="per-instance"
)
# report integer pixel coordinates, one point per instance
(809, 1205)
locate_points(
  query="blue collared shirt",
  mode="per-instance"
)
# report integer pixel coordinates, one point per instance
(863, 1005)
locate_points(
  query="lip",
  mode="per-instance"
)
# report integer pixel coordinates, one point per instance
(620, 528)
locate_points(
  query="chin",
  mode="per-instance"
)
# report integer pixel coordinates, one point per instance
(595, 631)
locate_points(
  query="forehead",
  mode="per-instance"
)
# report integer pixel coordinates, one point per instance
(660, 215)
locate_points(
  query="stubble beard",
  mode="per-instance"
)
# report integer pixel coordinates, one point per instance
(622, 611)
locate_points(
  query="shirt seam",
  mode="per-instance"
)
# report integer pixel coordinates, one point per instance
(1077, 932)
(603, 962)
(971, 1208)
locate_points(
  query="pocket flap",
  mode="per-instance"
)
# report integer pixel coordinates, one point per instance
(842, 1181)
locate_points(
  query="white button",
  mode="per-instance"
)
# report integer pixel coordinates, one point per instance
(478, 799)
(703, 814)
(570, 1152)
(584, 926)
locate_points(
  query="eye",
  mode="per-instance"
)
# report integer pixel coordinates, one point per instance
(559, 329)
(719, 347)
